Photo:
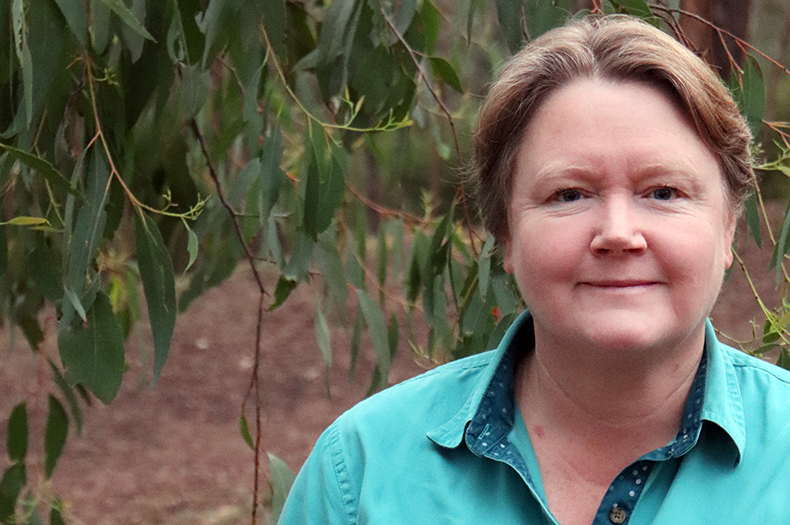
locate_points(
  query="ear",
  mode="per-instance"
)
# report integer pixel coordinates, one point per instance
(730, 223)
(507, 262)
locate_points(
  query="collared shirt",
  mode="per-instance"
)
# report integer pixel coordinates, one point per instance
(449, 446)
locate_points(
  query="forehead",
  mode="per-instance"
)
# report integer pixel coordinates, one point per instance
(625, 124)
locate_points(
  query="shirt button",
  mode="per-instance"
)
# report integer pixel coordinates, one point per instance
(617, 515)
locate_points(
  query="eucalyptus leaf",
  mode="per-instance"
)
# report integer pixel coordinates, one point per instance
(431, 23)
(782, 245)
(637, 8)
(244, 430)
(89, 227)
(272, 176)
(322, 336)
(356, 343)
(393, 335)
(156, 272)
(405, 14)
(784, 359)
(46, 40)
(76, 304)
(543, 16)
(76, 18)
(68, 393)
(3, 249)
(216, 21)
(274, 23)
(753, 95)
(312, 194)
(10, 487)
(381, 256)
(374, 319)
(443, 71)
(334, 30)
(93, 354)
(26, 221)
(99, 28)
(23, 54)
(17, 434)
(192, 246)
(282, 291)
(510, 14)
(31, 329)
(484, 266)
(195, 88)
(753, 219)
(301, 255)
(42, 166)
(127, 16)
(55, 435)
(331, 266)
(281, 478)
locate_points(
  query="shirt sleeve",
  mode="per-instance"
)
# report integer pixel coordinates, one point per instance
(322, 491)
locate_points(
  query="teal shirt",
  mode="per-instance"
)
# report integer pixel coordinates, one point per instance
(449, 446)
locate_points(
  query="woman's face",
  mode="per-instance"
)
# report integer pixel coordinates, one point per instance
(619, 224)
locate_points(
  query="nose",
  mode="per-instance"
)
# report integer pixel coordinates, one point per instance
(618, 229)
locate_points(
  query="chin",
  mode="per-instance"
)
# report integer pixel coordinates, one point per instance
(629, 335)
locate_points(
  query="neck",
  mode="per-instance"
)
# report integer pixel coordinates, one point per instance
(628, 401)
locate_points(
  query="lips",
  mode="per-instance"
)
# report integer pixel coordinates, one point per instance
(619, 284)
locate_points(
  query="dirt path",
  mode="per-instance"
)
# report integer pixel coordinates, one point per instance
(174, 454)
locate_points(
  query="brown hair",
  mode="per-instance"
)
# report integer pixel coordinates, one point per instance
(619, 48)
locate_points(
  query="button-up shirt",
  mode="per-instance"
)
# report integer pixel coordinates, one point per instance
(449, 446)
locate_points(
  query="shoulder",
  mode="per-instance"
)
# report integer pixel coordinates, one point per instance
(763, 390)
(427, 399)
(381, 438)
(763, 373)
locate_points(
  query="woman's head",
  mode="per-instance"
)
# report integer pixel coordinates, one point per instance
(620, 49)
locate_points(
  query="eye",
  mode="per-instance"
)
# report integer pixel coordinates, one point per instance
(567, 195)
(664, 193)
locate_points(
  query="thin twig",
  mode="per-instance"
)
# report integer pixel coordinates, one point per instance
(741, 42)
(461, 193)
(258, 429)
(114, 173)
(381, 210)
(234, 218)
(255, 377)
(270, 55)
(768, 314)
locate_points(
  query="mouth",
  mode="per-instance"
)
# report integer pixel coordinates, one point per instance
(618, 284)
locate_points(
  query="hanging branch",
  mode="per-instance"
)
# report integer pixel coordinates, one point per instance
(461, 193)
(254, 386)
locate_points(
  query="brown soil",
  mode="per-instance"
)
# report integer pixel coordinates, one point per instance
(175, 455)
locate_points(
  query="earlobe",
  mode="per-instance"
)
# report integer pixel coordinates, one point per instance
(730, 239)
(507, 263)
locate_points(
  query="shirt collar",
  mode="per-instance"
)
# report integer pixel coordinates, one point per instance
(495, 387)
(487, 416)
(723, 405)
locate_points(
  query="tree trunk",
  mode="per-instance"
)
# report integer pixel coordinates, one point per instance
(731, 16)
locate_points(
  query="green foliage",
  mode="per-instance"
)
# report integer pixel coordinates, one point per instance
(55, 434)
(149, 143)
(156, 272)
(281, 480)
(17, 434)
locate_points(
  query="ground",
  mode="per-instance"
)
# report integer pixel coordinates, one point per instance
(174, 454)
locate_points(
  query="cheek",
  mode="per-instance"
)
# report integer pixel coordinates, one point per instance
(544, 250)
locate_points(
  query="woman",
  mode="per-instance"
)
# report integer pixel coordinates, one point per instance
(611, 166)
